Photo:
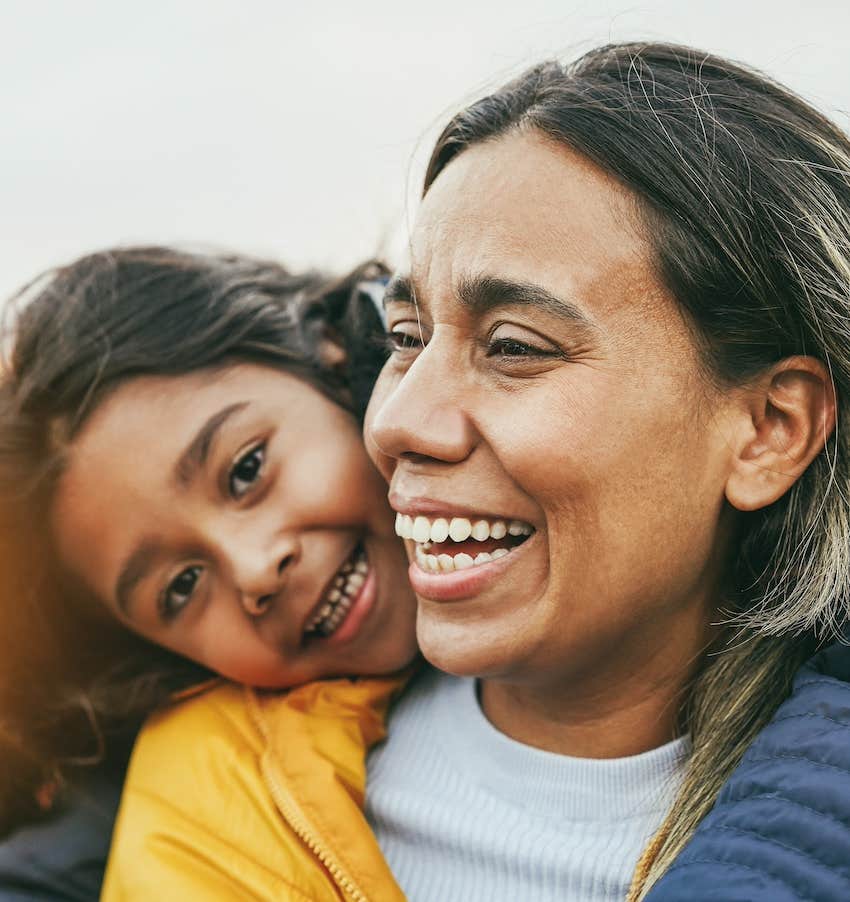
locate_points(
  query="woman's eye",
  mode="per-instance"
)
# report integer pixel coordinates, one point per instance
(399, 340)
(246, 471)
(178, 593)
(512, 347)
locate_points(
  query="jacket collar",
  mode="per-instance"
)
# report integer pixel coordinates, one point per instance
(315, 767)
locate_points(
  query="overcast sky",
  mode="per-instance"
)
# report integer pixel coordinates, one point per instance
(298, 131)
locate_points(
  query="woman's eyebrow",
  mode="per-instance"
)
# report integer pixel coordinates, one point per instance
(399, 290)
(197, 452)
(481, 293)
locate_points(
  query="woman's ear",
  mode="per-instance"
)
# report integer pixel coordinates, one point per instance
(786, 417)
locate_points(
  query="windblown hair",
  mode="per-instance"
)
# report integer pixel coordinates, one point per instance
(744, 195)
(72, 680)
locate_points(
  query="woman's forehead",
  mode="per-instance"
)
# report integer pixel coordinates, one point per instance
(525, 210)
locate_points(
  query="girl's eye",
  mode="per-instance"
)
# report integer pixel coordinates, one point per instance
(246, 471)
(178, 593)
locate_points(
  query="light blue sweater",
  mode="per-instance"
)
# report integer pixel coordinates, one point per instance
(463, 813)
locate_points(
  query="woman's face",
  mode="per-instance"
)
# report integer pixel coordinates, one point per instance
(545, 393)
(234, 517)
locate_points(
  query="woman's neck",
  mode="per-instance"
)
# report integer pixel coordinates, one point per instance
(632, 707)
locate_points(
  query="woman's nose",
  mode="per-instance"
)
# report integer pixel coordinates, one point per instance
(424, 413)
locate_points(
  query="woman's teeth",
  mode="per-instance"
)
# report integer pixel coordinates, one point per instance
(447, 563)
(347, 583)
(442, 531)
(458, 529)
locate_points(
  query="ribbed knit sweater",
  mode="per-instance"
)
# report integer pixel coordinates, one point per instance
(464, 813)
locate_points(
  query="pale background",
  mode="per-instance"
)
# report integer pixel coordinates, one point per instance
(294, 131)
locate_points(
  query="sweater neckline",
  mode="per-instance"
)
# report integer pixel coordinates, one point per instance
(553, 785)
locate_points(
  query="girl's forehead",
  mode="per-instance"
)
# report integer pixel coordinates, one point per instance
(170, 398)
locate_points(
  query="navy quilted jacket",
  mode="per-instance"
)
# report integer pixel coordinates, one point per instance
(780, 830)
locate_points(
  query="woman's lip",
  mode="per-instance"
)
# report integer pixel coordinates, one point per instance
(430, 507)
(463, 584)
(363, 604)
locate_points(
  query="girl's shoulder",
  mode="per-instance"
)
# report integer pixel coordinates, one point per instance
(233, 711)
(238, 778)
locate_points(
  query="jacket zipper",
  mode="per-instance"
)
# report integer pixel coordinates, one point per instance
(289, 808)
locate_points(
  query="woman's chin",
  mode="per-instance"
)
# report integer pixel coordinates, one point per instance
(465, 650)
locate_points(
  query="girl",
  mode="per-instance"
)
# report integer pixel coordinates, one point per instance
(185, 493)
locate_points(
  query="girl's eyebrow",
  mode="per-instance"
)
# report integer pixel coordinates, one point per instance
(134, 570)
(197, 452)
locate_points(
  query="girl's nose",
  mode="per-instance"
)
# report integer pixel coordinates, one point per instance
(260, 573)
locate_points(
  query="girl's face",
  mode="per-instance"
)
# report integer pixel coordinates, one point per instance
(557, 460)
(233, 517)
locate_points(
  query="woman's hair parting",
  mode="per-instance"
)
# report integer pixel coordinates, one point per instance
(72, 681)
(744, 196)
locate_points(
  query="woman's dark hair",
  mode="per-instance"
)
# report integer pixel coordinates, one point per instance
(72, 680)
(743, 193)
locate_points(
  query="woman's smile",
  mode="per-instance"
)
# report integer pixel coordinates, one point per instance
(456, 557)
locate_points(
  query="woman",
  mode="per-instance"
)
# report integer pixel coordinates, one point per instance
(609, 428)
(186, 493)
(623, 333)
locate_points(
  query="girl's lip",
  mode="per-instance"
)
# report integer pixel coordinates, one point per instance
(462, 584)
(358, 612)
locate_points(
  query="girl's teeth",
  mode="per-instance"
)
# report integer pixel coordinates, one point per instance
(482, 558)
(463, 561)
(480, 530)
(351, 577)
(446, 562)
(355, 581)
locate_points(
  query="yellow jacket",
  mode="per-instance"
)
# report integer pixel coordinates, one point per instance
(236, 794)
